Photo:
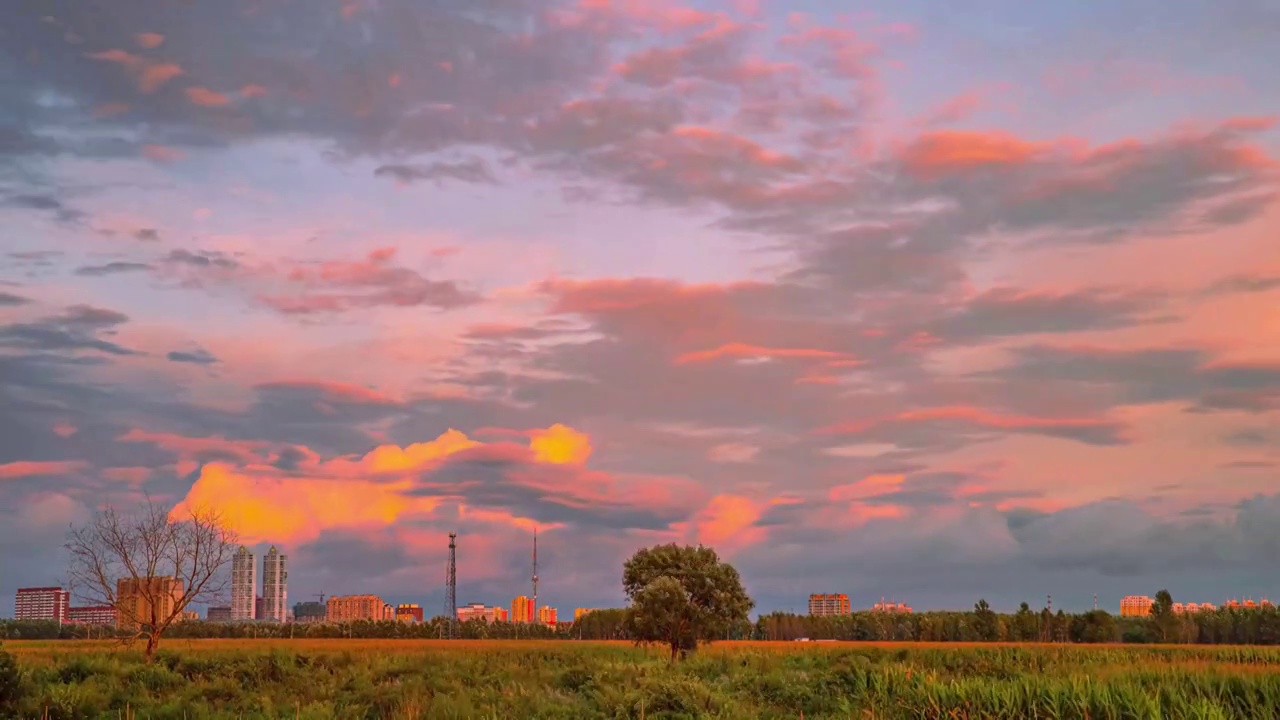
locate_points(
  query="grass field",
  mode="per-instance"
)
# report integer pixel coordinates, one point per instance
(513, 679)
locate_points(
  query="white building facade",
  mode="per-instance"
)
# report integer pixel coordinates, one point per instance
(244, 590)
(275, 586)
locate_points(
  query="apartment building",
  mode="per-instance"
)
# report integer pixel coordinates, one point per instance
(829, 604)
(275, 581)
(145, 601)
(348, 608)
(42, 603)
(244, 586)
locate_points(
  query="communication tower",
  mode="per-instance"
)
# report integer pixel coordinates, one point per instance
(535, 576)
(450, 629)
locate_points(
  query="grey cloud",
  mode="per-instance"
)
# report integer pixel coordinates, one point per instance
(202, 259)
(1242, 284)
(472, 170)
(111, 268)
(60, 210)
(199, 356)
(1150, 376)
(1005, 312)
(147, 234)
(78, 328)
(11, 300)
(526, 489)
(1237, 211)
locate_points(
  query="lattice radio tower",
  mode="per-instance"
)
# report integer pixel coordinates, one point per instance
(450, 628)
(535, 576)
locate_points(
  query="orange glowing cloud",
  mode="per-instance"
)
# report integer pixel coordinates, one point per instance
(951, 150)
(390, 458)
(26, 468)
(728, 522)
(297, 509)
(561, 445)
(389, 483)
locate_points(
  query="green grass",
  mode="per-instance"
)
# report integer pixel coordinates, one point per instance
(509, 679)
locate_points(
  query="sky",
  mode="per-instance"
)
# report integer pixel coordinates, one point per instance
(916, 300)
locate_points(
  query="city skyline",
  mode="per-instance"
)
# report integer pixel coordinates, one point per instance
(910, 299)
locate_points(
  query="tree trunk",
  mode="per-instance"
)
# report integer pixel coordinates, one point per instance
(675, 649)
(152, 642)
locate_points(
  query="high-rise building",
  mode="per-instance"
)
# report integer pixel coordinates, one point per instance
(410, 613)
(579, 612)
(92, 615)
(347, 608)
(1136, 606)
(218, 614)
(388, 612)
(308, 612)
(244, 586)
(829, 604)
(42, 603)
(275, 579)
(146, 601)
(547, 615)
(522, 609)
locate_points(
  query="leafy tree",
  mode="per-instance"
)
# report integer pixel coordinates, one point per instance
(682, 595)
(10, 684)
(985, 622)
(1026, 627)
(1163, 618)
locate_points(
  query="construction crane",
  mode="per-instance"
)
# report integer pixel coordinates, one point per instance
(321, 596)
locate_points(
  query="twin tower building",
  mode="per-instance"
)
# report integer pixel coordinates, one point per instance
(246, 602)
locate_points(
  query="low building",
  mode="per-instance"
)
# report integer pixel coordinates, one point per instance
(388, 612)
(410, 613)
(825, 604)
(1136, 606)
(348, 608)
(187, 616)
(218, 614)
(42, 603)
(891, 607)
(522, 609)
(547, 616)
(309, 612)
(579, 612)
(142, 601)
(480, 611)
(92, 615)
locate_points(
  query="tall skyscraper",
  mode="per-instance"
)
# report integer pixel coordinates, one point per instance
(275, 593)
(244, 587)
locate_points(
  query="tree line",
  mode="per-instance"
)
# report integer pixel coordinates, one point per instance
(1235, 626)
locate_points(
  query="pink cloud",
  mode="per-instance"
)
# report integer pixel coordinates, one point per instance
(26, 468)
(162, 153)
(205, 97)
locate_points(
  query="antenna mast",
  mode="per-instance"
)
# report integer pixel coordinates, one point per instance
(535, 576)
(450, 629)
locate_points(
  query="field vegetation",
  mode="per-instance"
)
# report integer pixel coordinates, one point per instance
(192, 679)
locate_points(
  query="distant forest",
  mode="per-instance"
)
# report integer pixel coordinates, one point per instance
(1237, 626)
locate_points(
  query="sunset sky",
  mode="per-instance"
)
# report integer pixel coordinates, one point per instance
(925, 300)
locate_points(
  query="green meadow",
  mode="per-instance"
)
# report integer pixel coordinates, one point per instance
(411, 679)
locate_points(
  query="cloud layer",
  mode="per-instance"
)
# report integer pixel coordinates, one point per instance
(892, 303)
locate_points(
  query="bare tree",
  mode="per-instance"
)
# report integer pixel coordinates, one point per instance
(149, 566)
